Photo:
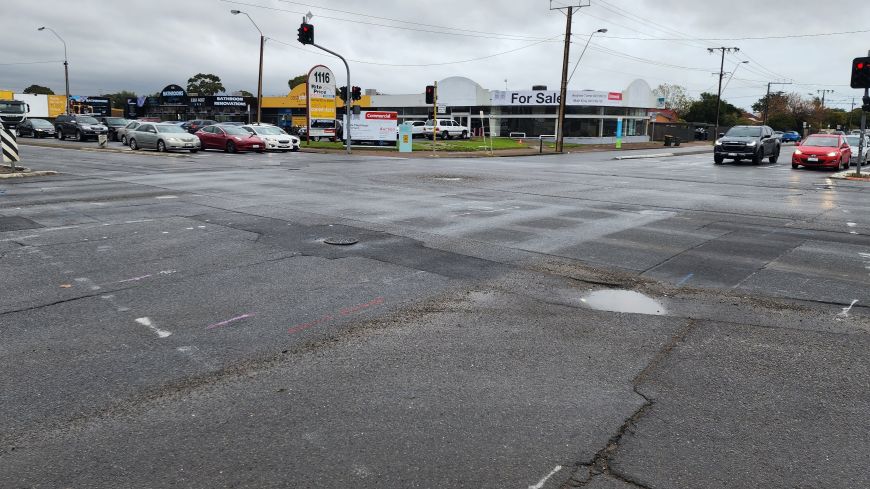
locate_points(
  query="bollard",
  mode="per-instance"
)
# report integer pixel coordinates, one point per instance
(103, 140)
(9, 146)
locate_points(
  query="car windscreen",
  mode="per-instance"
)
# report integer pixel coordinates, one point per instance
(11, 108)
(853, 140)
(41, 123)
(116, 121)
(235, 131)
(87, 120)
(744, 132)
(269, 131)
(821, 141)
(166, 128)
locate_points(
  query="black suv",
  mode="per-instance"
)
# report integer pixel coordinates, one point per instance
(747, 143)
(78, 125)
(113, 123)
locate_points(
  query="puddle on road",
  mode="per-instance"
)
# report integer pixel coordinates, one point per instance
(623, 301)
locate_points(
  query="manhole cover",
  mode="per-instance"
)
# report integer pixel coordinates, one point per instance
(341, 241)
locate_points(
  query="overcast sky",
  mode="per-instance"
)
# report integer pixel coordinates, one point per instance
(144, 46)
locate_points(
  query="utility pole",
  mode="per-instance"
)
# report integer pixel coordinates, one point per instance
(767, 98)
(721, 76)
(563, 93)
(823, 92)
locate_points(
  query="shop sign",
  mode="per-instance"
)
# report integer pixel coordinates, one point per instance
(173, 95)
(551, 97)
(321, 93)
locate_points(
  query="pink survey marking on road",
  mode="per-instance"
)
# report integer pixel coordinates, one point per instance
(231, 320)
(346, 311)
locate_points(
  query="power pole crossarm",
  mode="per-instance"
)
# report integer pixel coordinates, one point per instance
(721, 76)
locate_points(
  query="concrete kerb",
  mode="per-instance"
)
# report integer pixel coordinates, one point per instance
(664, 155)
(98, 150)
(28, 173)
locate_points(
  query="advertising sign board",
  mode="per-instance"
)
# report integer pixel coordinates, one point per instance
(374, 125)
(551, 97)
(321, 93)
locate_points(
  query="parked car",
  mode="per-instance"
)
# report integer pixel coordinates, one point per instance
(790, 137)
(196, 125)
(823, 150)
(747, 142)
(416, 128)
(162, 137)
(231, 139)
(113, 123)
(122, 132)
(35, 128)
(274, 137)
(446, 129)
(80, 126)
(232, 123)
(853, 141)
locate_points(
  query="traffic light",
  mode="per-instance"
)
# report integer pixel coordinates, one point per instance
(306, 33)
(356, 93)
(343, 93)
(861, 73)
(430, 94)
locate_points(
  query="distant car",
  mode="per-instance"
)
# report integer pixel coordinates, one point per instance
(195, 125)
(853, 140)
(274, 137)
(446, 129)
(790, 137)
(122, 132)
(823, 150)
(747, 142)
(231, 139)
(82, 127)
(162, 137)
(416, 128)
(232, 123)
(113, 123)
(35, 128)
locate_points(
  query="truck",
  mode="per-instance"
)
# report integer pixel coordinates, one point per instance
(12, 113)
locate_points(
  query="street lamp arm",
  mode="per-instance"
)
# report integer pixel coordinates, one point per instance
(584, 52)
(59, 38)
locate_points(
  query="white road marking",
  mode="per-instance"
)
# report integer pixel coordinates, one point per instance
(147, 322)
(543, 481)
(846, 310)
(851, 224)
(166, 197)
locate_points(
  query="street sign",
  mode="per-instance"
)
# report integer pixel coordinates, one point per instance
(442, 109)
(321, 94)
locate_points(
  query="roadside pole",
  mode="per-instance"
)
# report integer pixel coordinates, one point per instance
(347, 103)
(434, 117)
(861, 145)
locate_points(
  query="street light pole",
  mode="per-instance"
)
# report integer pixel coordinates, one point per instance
(260, 77)
(65, 64)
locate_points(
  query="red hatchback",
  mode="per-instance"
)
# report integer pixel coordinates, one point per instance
(823, 150)
(231, 139)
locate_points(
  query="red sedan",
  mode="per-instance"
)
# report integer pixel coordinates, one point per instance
(823, 150)
(231, 139)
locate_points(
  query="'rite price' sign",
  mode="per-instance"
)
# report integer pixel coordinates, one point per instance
(321, 93)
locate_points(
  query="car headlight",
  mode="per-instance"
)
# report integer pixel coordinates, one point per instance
(832, 153)
(798, 152)
(718, 142)
(751, 143)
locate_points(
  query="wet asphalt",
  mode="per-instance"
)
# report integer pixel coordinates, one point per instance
(179, 321)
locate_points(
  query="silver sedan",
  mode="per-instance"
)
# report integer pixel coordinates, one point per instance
(162, 137)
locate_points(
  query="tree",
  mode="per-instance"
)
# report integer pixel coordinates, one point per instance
(245, 93)
(119, 99)
(704, 110)
(297, 80)
(676, 97)
(205, 84)
(38, 90)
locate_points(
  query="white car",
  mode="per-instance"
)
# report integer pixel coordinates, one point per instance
(416, 128)
(853, 140)
(446, 129)
(276, 139)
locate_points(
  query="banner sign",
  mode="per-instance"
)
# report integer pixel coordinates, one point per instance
(374, 125)
(551, 97)
(80, 104)
(173, 95)
(321, 93)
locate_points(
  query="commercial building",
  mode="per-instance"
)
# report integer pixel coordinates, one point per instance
(174, 103)
(591, 116)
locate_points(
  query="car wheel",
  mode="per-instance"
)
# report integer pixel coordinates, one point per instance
(194, 150)
(57, 133)
(464, 134)
(757, 157)
(231, 147)
(774, 157)
(124, 140)
(718, 160)
(133, 145)
(79, 136)
(295, 149)
(115, 137)
(161, 146)
(445, 135)
(261, 151)
(794, 167)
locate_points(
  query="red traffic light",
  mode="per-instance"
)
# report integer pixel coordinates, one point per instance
(860, 73)
(430, 94)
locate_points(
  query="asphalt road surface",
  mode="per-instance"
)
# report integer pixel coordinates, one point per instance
(181, 321)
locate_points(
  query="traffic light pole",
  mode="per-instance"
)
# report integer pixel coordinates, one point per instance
(434, 116)
(347, 100)
(861, 145)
